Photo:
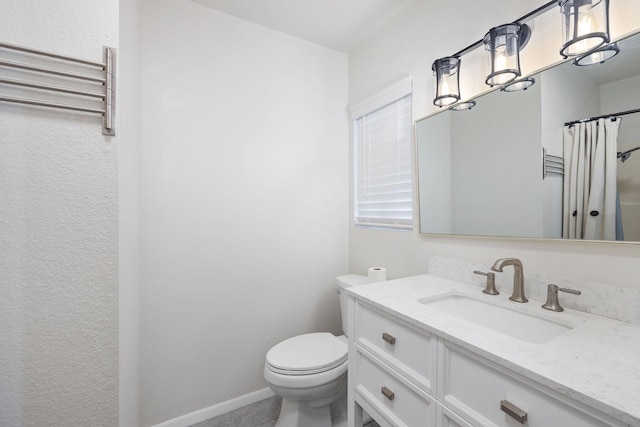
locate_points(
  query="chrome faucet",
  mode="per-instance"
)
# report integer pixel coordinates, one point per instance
(518, 277)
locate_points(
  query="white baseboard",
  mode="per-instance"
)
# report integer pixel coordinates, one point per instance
(218, 409)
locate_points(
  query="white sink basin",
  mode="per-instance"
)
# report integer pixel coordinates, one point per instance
(516, 324)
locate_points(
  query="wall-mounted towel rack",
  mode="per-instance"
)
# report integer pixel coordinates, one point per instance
(551, 164)
(99, 76)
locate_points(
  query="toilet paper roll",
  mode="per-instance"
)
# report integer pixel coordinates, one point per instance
(377, 274)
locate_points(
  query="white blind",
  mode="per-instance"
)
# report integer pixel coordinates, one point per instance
(384, 181)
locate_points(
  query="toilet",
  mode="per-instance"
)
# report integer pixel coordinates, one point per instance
(309, 371)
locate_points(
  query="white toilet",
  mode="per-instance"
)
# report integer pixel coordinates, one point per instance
(309, 371)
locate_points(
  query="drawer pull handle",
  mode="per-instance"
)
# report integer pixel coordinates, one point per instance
(388, 338)
(513, 411)
(387, 393)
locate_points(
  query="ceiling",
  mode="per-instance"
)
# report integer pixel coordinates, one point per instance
(341, 25)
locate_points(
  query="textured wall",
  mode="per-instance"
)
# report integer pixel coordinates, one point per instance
(58, 228)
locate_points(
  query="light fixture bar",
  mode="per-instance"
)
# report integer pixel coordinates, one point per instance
(531, 15)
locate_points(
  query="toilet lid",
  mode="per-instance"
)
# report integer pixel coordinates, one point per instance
(307, 354)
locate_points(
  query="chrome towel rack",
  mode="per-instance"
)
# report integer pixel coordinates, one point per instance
(551, 164)
(94, 81)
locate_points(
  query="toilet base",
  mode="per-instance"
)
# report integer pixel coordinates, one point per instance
(300, 414)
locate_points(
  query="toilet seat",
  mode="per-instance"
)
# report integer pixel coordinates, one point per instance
(307, 354)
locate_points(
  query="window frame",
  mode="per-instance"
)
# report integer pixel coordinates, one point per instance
(392, 96)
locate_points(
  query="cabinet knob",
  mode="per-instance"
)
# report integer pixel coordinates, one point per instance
(513, 411)
(389, 338)
(387, 393)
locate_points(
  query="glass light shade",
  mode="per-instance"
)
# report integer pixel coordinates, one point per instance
(598, 56)
(503, 49)
(467, 105)
(585, 25)
(522, 84)
(447, 75)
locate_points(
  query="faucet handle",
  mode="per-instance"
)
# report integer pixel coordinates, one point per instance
(552, 302)
(490, 288)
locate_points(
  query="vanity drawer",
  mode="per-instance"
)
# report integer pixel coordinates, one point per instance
(476, 389)
(411, 352)
(447, 418)
(397, 400)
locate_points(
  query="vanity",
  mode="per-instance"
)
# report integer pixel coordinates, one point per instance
(430, 351)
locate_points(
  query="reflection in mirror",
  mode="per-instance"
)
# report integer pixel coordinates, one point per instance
(500, 169)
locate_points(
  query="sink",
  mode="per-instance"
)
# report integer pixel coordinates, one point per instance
(516, 324)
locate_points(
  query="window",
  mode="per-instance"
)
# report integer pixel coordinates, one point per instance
(383, 160)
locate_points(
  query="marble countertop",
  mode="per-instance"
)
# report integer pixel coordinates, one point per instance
(596, 363)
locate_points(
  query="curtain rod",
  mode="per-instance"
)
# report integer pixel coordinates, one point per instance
(624, 155)
(604, 116)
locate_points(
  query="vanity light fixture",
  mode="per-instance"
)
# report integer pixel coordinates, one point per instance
(585, 26)
(598, 56)
(447, 75)
(466, 105)
(503, 44)
(585, 32)
(522, 84)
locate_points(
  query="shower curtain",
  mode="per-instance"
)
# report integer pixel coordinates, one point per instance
(590, 185)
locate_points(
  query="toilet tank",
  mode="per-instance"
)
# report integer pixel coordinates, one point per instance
(345, 282)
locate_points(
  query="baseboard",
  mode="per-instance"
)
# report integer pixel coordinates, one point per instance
(218, 409)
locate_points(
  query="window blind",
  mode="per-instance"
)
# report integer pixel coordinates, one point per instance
(384, 172)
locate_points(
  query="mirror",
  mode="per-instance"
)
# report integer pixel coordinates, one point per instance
(480, 171)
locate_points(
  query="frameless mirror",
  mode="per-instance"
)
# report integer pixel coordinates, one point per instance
(495, 170)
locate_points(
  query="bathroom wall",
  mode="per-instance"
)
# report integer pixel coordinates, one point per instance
(59, 228)
(244, 202)
(621, 96)
(129, 206)
(408, 45)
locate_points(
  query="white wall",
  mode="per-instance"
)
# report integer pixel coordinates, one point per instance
(59, 228)
(244, 202)
(408, 45)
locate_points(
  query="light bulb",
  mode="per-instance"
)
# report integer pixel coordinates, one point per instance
(588, 21)
(585, 25)
(501, 58)
(444, 86)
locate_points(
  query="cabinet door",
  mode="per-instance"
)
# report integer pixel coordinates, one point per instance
(411, 352)
(389, 398)
(476, 390)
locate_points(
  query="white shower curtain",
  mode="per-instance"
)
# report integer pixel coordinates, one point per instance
(590, 184)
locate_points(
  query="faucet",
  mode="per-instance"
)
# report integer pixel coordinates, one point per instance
(552, 297)
(518, 277)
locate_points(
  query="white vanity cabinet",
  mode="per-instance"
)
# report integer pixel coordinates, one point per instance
(392, 369)
(476, 389)
(403, 375)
